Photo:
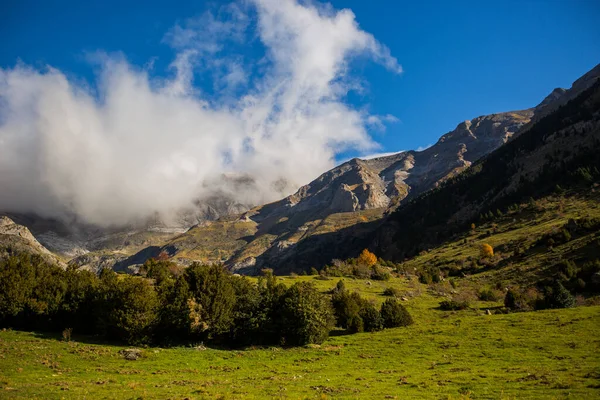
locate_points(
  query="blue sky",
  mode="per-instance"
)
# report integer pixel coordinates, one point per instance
(460, 60)
(120, 108)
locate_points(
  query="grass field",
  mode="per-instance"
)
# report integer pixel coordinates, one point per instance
(444, 355)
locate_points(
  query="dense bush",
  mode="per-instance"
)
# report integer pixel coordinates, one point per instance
(392, 292)
(306, 315)
(356, 314)
(126, 308)
(393, 314)
(379, 274)
(453, 305)
(430, 275)
(519, 301)
(371, 317)
(366, 266)
(487, 294)
(356, 324)
(556, 296)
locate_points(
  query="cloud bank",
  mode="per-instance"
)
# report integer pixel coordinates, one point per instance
(137, 144)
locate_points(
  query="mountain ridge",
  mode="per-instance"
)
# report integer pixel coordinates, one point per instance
(351, 194)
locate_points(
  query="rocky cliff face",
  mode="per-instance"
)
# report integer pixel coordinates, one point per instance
(386, 181)
(16, 238)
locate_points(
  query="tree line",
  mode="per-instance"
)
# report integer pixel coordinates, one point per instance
(169, 305)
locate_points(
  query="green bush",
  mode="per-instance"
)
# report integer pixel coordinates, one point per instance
(394, 314)
(371, 317)
(346, 306)
(392, 292)
(557, 296)
(306, 315)
(379, 274)
(486, 294)
(453, 305)
(356, 324)
(127, 308)
(517, 300)
(213, 299)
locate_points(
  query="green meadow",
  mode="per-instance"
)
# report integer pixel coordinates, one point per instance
(445, 355)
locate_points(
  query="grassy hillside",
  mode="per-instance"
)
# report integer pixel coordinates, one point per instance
(464, 354)
(521, 238)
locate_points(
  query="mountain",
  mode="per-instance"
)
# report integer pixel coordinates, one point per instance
(556, 153)
(355, 191)
(349, 200)
(16, 238)
(347, 203)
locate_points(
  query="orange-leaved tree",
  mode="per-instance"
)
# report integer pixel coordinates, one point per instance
(367, 258)
(487, 250)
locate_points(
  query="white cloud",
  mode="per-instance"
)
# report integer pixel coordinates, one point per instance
(145, 144)
(377, 155)
(421, 148)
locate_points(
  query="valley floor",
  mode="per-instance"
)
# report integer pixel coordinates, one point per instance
(464, 354)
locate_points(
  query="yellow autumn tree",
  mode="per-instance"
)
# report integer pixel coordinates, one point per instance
(367, 258)
(487, 250)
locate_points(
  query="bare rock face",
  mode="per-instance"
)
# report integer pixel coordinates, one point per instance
(384, 181)
(8, 227)
(19, 238)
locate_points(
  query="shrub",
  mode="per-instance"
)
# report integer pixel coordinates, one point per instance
(379, 274)
(361, 271)
(425, 277)
(518, 301)
(394, 314)
(486, 294)
(306, 315)
(66, 334)
(371, 317)
(356, 324)
(346, 306)
(453, 305)
(568, 269)
(556, 296)
(340, 287)
(392, 292)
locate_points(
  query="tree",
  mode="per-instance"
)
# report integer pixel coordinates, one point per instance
(487, 250)
(127, 307)
(367, 258)
(557, 296)
(175, 324)
(394, 314)
(516, 300)
(248, 317)
(306, 315)
(371, 317)
(213, 298)
(356, 324)
(17, 280)
(347, 306)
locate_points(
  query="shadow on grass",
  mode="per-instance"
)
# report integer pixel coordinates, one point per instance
(339, 332)
(86, 339)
